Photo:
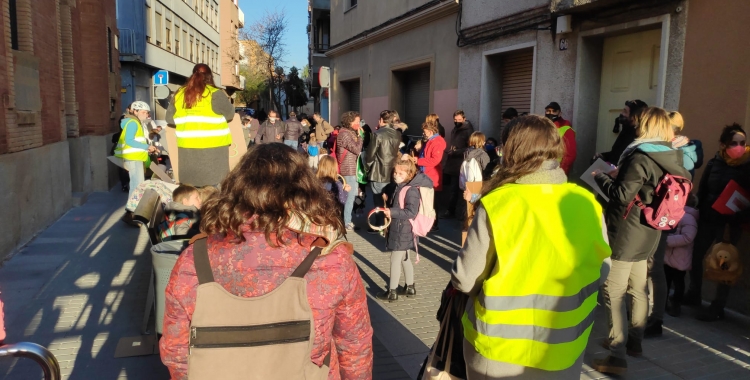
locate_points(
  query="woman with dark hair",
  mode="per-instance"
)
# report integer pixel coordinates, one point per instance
(348, 148)
(731, 163)
(531, 263)
(625, 125)
(270, 214)
(201, 112)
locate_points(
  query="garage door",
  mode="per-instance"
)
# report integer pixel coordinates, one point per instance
(516, 81)
(416, 99)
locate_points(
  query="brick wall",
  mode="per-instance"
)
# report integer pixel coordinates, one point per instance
(65, 41)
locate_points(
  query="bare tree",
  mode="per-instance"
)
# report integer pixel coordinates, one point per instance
(269, 32)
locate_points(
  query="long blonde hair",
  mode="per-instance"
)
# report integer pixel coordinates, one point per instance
(678, 123)
(327, 169)
(654, 123)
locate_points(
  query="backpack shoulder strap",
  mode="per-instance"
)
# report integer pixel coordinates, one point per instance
(202, 264)
(304, 267)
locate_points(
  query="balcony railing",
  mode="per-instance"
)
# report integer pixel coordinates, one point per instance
(127, 42)
(242, 18)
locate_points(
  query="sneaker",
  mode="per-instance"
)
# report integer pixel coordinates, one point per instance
(710, 315)
(409, 291)
(351, 227)
(653, 329)
(389, 295)
(610, 364)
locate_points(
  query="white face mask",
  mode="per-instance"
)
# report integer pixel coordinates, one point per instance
(399, 179)
(273, 119)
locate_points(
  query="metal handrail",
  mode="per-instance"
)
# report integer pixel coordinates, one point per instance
(37, 353)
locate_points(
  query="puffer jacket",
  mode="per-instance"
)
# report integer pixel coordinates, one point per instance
(459, 144)
(640, 171)
(714, 180)
(482, 160)
(692, 150)
(268, 132)
(254, 268)
(293, 130)
(430, 160)
(679, 254)
(382, 153)
(348, 148)
(400, 236)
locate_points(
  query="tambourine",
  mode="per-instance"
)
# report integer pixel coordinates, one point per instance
(378, 228)
(343, 181)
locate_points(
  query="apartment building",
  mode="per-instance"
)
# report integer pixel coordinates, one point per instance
(394, 54)
(60, 104)
(319, 38)
(231, 20)
(171, 35)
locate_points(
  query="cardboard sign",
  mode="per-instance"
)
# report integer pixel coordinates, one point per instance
(236, 150)
(732, 200)
(475, 188)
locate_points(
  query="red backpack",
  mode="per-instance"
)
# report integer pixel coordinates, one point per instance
(668, 205)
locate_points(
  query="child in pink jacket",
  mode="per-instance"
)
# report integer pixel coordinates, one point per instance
(679, 255)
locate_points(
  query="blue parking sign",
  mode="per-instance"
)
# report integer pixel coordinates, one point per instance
(161, 77)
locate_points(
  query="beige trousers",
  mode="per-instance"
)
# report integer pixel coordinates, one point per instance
(626, 277)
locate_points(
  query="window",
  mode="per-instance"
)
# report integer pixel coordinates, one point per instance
(13, 24)
(216, 17)
(203, 53)
(109, 50)
(352, 4)
(177, 40)
(211, 16)
(149, 26)
(191, 49)
(159, 29)
(169, 35)
(205, 15)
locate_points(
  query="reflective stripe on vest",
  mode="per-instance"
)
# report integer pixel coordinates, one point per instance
(561, 131)
(537, 308)
(127, 152)
(200, 127)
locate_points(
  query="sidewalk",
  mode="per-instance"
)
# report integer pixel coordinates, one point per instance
(81, 285)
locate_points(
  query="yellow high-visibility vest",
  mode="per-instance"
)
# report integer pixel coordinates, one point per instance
(536, 309)
(200, 127)
(127, 152)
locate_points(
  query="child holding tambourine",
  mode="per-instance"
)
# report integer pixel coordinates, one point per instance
(400, 240)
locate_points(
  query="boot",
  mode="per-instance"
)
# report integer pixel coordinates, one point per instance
(653, 329)
(409, 291)
(710, 315)
(389, 295)
(631, 348)
(610, 364)
(692, 298)
(674, 309)
(128, 219)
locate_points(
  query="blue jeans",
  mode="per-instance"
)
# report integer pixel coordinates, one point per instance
(136, 173)
(291, 143)
(351, 180)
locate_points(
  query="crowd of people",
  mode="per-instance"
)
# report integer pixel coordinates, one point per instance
(538, 248)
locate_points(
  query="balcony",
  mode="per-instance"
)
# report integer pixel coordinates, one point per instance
(241, 18)
(321, 4)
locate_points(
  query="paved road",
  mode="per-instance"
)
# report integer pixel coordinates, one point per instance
(80, 286)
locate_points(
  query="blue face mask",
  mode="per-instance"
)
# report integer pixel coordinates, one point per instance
(489, 147)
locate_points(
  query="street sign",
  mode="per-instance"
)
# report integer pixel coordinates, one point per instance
(162, 92)
(161, 77)
(324, 77)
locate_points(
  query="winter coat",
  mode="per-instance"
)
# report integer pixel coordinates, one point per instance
(481, 158)
(693, 152)
(348, 148)
(323, 130)
(431, 161)
(679, 254)
(459, 143)
(253, 129)
(400, 236)
(293, 130)
(382, 153)
(336, 189)
(624, 139)
(268, 132)
(571, 148)
(714, 180)
(181, 222)
(640, 171)
(254, 268)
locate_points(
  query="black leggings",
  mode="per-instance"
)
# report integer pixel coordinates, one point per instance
(676, 277)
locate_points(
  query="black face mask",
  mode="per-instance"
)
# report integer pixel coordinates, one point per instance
(552, 117)
(458, 124)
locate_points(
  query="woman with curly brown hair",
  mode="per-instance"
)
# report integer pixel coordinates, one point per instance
(270, 213)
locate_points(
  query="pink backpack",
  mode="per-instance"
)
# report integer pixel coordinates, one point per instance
(668, 206)
(422, 223)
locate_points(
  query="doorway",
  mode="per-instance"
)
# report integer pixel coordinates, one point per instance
(630, 70)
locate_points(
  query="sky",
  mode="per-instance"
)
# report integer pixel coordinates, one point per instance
(296, 33)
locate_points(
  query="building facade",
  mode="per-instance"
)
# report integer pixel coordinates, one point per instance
(393, 54)
(171, 35)
(319, 39)
(60, 104)
(231, 21)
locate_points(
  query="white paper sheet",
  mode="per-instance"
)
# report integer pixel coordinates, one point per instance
(598, 165)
